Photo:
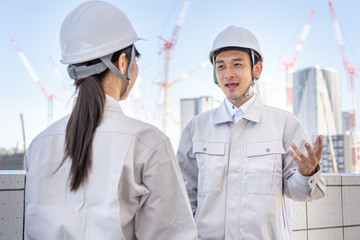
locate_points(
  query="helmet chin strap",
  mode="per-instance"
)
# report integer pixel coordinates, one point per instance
(248, 94)
(107, 61)
(251, 87)
(81, 72)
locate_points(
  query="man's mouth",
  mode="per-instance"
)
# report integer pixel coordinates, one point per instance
(231, 85)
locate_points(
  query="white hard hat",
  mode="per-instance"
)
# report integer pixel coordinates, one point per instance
(93, 30)
(235, 37)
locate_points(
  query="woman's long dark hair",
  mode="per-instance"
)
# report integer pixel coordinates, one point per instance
(85, 117)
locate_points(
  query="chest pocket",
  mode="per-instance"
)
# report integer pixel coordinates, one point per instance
(265, 167)
(211, 163)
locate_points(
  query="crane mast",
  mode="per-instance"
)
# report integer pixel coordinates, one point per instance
(352, 74)
(168, 48)
(23, 130)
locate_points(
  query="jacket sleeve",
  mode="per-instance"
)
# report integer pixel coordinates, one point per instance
(166, 212)
(297, 186)
(188, 166)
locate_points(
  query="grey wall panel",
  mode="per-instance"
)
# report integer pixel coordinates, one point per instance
(327, 211)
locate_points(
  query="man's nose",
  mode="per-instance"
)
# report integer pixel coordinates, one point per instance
(229, 73)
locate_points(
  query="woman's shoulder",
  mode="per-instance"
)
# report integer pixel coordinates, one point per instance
(56, 128)
(124, 125)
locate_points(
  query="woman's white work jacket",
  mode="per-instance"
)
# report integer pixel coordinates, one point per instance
(236, 176)
(134, 189)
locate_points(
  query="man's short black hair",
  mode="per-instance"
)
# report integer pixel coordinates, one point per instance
(247, 50)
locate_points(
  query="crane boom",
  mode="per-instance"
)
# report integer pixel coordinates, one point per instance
(36, 80)
(29, 68)
(290, 64)
(303, 37)
(340, 41)
(180, 21)
(352, 73)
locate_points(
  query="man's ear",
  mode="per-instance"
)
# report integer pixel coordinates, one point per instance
(122, 64)
(258, 69)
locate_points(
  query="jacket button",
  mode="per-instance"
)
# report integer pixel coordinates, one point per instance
(267, 149)
(204, 149)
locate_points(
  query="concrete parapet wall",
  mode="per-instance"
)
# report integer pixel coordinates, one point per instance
(12, 184)
(334, 217)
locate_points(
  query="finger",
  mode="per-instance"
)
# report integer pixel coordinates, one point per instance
(311, 153)
(315, 147)
(298, 151)
(296, 159)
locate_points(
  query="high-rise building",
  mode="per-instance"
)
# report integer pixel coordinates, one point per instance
(193, 106)
(341, 150)
(317, 101)
(317, 105)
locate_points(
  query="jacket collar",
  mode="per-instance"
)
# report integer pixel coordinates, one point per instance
(253, 114)
(111, 104)
(222, 114)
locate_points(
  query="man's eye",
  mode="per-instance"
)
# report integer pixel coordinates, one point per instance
(220, 67)
(237, 64)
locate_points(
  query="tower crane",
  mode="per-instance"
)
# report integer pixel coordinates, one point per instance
(352, 74)
(33, 75)
(184, 76)
(168, 49)
(290, 64)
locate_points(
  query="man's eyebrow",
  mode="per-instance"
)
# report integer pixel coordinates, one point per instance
(237, 59)
(234, 60)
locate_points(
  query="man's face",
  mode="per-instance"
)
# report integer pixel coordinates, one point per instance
(233, 71)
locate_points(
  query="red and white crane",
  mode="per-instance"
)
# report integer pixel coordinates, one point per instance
(168, 49)
(33, 75)
(352, 74)
(290, 64)
(164, 86)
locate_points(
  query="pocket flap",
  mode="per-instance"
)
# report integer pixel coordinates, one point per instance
(263, 148)
(209, 148)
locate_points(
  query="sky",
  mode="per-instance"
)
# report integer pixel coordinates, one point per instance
(35, 26)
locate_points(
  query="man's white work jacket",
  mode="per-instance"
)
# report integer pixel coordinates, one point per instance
(236, 176)
(134, 189)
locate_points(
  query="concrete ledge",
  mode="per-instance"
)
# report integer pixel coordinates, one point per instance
(336, 216)
(12, 184)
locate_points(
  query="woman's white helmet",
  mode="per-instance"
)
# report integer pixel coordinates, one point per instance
(93, 30)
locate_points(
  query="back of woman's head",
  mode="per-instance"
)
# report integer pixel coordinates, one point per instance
(92, 38)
